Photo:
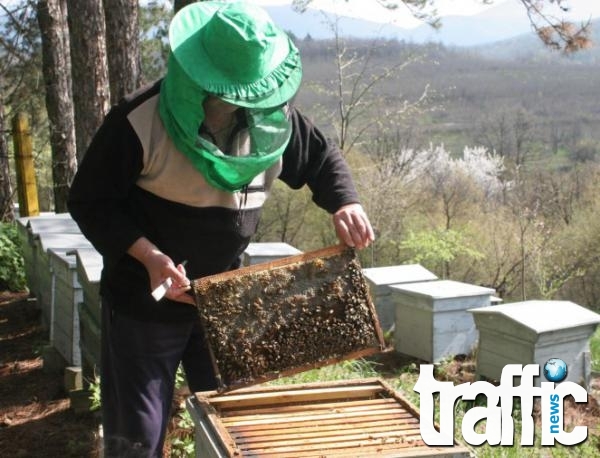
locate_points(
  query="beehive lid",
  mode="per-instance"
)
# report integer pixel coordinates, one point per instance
(24, 220)
(22, 224)
(89, 264)
(282, 317)
(407, 273)
(543, 316)
(63, 257)
(58, 223)
(61, 241)
(357, 418)
(443, 289)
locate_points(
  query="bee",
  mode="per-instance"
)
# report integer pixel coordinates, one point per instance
(319, 263)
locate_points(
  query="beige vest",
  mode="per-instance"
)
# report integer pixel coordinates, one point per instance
(170, 175)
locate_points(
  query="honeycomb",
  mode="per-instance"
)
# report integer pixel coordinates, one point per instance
(270, 320)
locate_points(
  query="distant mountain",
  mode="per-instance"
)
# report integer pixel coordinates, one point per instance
(501, 23)
(498, 23)
(317, 24)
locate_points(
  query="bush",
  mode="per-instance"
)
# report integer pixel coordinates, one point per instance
(12, 265)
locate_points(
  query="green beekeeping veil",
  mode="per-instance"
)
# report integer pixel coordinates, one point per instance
(232, 51)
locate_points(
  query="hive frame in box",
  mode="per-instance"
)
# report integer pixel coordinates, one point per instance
(286, 316)
(353, 418)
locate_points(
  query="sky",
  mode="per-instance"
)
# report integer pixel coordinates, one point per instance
(371, 10)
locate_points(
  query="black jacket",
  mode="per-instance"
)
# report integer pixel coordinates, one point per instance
(133, 182)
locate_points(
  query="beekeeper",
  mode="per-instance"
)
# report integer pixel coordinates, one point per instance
(179, 171)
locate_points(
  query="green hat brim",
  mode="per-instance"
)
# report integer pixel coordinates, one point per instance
(187, 47)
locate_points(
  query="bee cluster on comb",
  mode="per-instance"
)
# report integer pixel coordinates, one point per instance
(301, 312)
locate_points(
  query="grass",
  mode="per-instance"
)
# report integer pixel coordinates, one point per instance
(346, 370)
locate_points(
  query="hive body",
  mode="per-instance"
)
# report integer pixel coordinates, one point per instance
(352, 419)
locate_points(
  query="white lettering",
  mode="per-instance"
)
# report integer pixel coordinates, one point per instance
(552, 413)
(499, 428)
(426, 386)
(491, 414)
(527, 392)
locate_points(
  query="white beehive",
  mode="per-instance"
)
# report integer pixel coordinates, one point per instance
(28, 228)
(380, 279)
(260, 252)
(532, 332)
(66, 294)
(61, 223)
(42, 243)
(432, 321)
(89, 268)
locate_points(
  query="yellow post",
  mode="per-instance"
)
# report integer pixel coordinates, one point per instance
(26, 182)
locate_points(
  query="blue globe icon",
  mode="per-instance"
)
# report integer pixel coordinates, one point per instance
(555, 370)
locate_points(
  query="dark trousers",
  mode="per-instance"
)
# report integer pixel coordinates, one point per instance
(137, 378)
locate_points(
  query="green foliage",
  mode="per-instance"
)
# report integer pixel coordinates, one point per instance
(154, 47)
(21, 82)
(437, 247)
(12, 266)
(183, 445)
(180, 380)
(94, 388)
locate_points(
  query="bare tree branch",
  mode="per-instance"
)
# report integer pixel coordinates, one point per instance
(554, 32)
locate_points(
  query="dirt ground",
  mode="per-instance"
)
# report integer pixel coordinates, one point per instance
(35, 415)
(36, 419)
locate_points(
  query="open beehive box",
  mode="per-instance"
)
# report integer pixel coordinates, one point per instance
(352, 419)
(282, 317)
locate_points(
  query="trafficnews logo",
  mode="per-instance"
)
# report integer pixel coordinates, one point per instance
(500, 426)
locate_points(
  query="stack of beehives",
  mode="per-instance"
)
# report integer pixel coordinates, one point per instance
(47, 242)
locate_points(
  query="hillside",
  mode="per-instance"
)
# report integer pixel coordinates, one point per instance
(474, 97)
(487, 27)
(527, 47)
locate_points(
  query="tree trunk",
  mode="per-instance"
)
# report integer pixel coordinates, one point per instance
(6, 203)
(89, 69)
(178, 4)
(56, 66)
(123, 61)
